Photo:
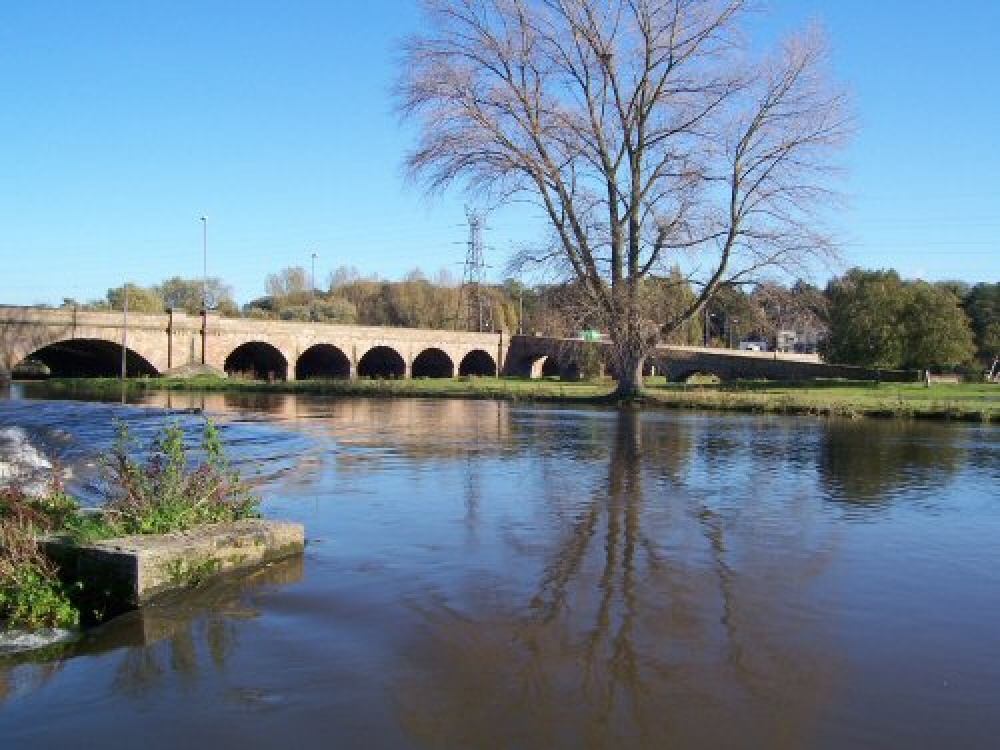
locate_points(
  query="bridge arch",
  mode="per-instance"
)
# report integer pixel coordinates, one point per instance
(538, 366)
(691, 373)
(381, 362)
(432, 363)
(548, 367)
(477, 362)
(322, 361)
(570, 371)
(257, 360)
(89, 358)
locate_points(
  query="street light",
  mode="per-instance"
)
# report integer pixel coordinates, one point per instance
(204, 287)
(124, 369)
(312, 280)
(204, 263)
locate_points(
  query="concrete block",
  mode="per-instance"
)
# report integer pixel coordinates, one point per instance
(129, 572)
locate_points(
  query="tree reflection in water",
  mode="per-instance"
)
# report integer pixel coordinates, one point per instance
(661, 618)
(867, 463)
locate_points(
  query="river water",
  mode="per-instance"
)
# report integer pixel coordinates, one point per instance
(491, 575)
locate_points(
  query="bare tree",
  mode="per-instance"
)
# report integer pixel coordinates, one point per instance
(291, 282)
(646, 133)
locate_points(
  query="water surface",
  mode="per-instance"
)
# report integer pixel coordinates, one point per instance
(487, 575)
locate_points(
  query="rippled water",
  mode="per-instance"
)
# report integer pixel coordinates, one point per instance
(484, 575)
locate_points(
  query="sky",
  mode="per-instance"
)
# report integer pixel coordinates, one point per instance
(122, 123)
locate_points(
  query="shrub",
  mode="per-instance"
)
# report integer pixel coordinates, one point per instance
(31, 594)
(162, 494)
(48, 512)
(166, 493)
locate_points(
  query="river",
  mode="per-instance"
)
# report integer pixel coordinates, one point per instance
(492, 575)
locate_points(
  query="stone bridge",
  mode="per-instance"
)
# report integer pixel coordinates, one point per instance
(76, 342)
(540, 356)
(71, 342)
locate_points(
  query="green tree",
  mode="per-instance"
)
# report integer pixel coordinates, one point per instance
(415, 302)
(667, 297)
(140, 299)
(937, 330)
(190, 294)
(982, 305)
(866, 310)
(732, 314)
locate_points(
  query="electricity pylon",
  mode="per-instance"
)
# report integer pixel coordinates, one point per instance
(474, 310)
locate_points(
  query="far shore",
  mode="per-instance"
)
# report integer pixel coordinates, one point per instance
(946, 401)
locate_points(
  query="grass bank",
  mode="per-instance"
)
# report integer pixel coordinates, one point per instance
(965, 402)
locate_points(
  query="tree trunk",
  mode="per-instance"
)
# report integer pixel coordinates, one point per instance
(628, 372)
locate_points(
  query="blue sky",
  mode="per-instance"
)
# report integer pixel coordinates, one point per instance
(123, 122)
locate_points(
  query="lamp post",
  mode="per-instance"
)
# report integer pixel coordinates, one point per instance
(124, 332)
(204, 286)
(204, 262)
(312, 281)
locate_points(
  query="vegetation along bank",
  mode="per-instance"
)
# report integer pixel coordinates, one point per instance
(976, 402)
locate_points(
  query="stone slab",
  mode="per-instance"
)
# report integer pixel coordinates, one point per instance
(132, 571)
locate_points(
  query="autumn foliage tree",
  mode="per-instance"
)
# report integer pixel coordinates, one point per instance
(645, 131)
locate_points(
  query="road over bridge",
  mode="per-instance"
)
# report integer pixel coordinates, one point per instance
(73, 342)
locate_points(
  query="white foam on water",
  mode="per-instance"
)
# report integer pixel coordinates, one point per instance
(21, 462)
(18, 641)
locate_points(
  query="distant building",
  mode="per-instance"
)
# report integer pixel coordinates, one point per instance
(800, 342)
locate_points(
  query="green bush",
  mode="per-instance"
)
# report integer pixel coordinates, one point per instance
(166, 492)
(48, 512)
(31, 594)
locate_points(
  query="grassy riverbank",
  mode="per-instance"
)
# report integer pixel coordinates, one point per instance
(967, 402)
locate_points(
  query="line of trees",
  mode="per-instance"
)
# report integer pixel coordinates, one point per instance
(878, 319)
(189, 295)
(865, 317)
(418, 301)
